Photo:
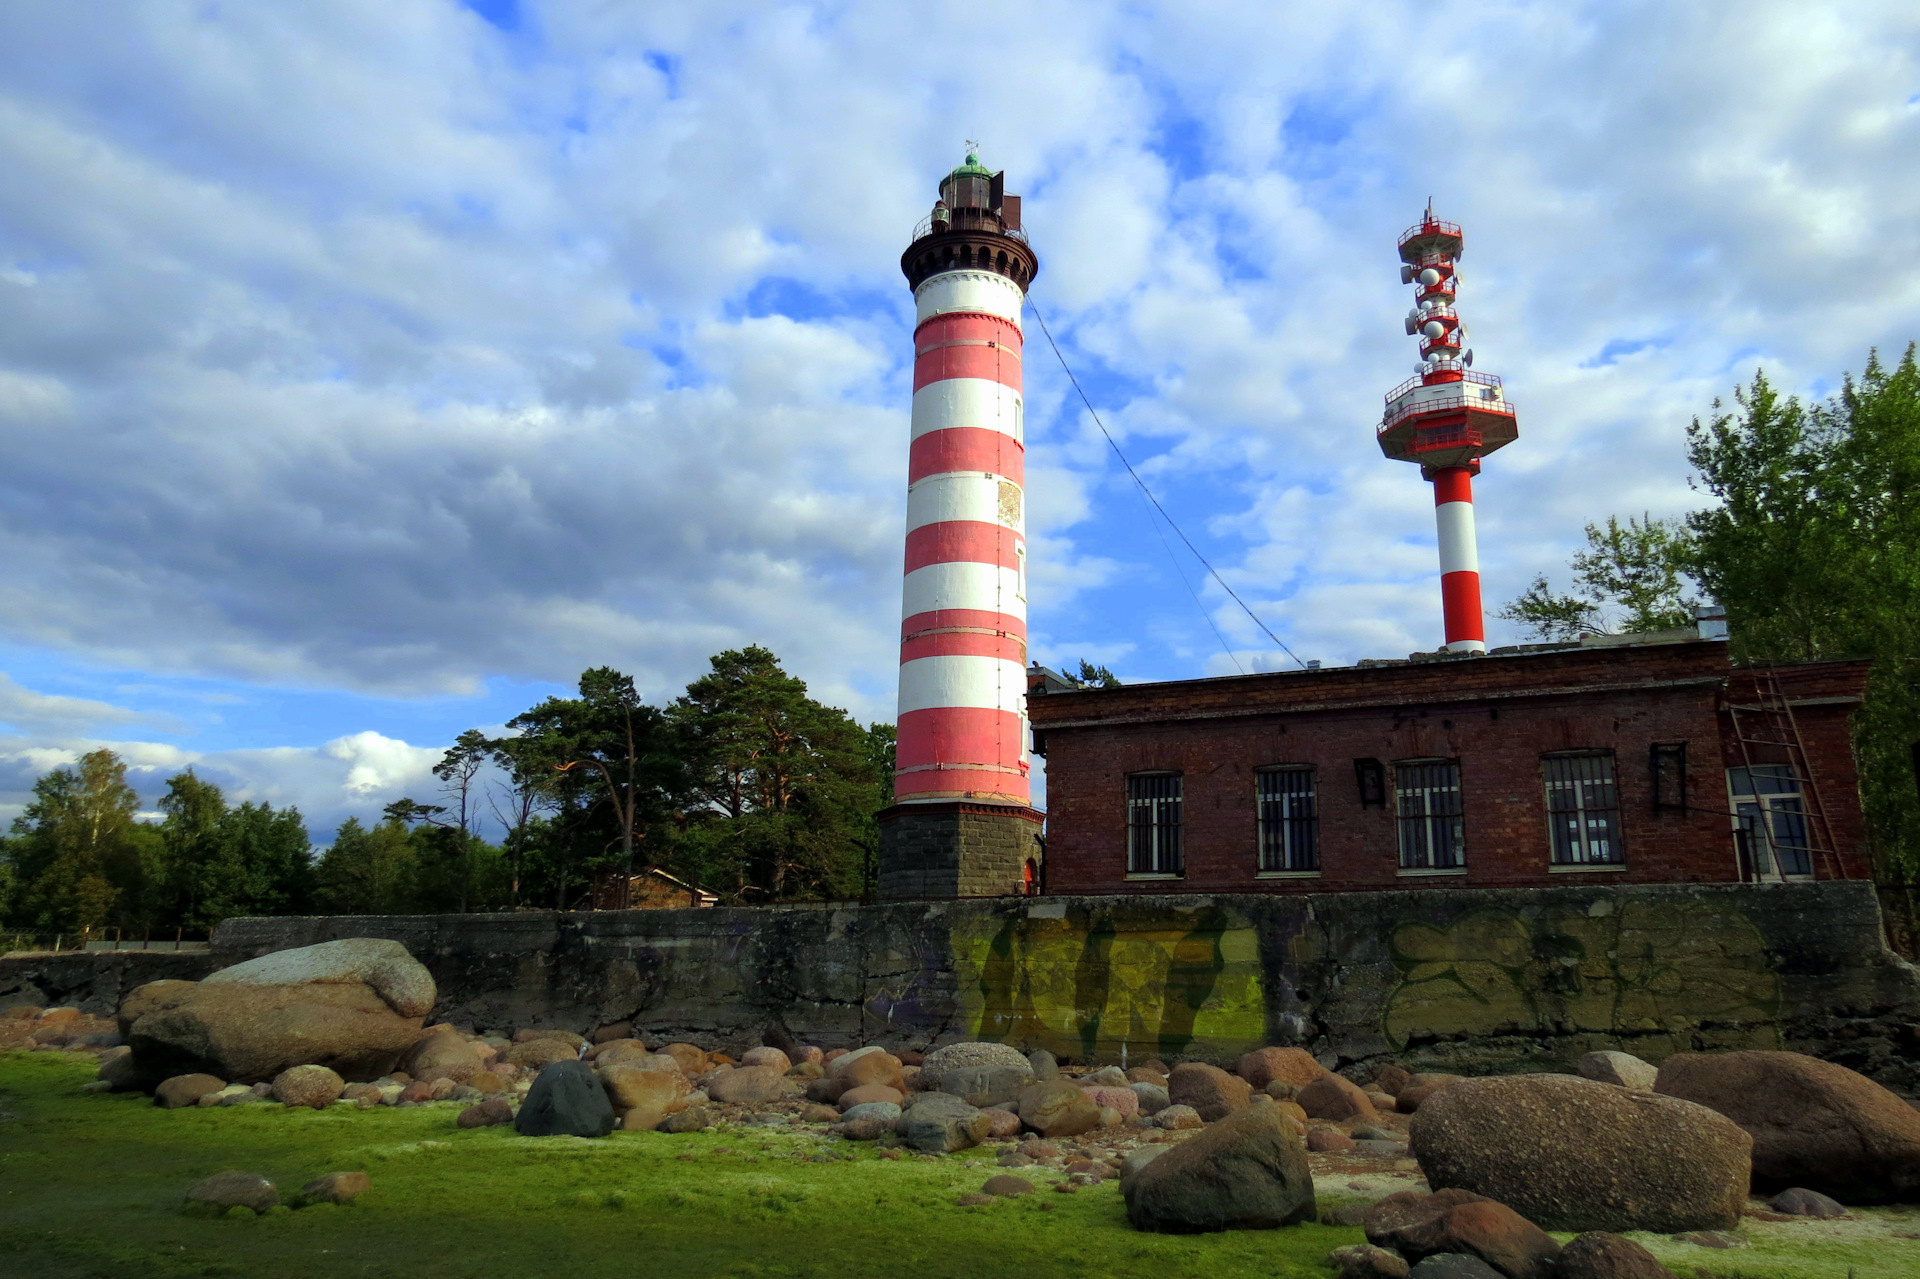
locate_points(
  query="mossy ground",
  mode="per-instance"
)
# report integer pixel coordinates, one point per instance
(92, 1185)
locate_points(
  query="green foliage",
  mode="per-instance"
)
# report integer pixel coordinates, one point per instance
(367, 871)
(746, 785)
(1097, 676)
(77, 859)
(780, 789)
(615, 775)
(1814, 549)
(1631, 579)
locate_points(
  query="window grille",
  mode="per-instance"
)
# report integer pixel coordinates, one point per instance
(1153, 824)
(1432, 836)
(1770, 821)
(1289, 824)
(1583, 810)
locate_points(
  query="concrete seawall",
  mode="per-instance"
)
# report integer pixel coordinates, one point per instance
(1496, 979)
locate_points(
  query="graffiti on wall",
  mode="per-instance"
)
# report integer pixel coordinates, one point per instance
(1093, 984)
(1669, 977)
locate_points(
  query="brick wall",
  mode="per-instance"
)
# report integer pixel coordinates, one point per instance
(956, 849)
(1496, 715)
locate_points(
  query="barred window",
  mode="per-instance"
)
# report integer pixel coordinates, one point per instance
(1289, 824)
(1427, 795)
(1153, 824)
(1583, 810)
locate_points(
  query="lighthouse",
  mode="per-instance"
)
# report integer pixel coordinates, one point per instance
(963, 823)
(1446, 418)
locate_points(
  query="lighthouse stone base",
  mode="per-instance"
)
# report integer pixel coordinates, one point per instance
(957, 848)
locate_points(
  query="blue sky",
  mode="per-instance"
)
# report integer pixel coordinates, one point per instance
(368, 370)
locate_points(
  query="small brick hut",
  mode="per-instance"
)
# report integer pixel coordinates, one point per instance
(1632, 759)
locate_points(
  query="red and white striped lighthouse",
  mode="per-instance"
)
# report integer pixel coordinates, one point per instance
(962, 766)
(1446, 418)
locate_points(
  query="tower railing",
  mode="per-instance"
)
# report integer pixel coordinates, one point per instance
(1442, 404)
(996, 227)
(1446, 366)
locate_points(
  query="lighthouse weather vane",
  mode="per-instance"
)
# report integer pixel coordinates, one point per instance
(1446, 418)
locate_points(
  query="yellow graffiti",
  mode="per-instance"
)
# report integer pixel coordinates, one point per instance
(1089, 985)
(1672, 975)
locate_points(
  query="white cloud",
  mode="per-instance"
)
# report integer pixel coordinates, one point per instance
(398, 364)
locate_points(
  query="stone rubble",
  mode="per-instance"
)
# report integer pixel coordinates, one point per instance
(1517, 1148)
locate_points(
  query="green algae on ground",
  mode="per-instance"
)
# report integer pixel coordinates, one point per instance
(92, 1185)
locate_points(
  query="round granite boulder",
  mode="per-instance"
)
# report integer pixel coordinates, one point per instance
(1571, 1154)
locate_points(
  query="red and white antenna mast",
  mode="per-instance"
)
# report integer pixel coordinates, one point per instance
(1446, 418)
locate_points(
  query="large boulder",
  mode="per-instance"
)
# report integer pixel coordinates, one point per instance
(566, 1100)
(1294, 1066)
(243, 1027)
(384, 966)
(942, 1123)
(1572, 1154)
(1058, 1109)
(985, 1074)
(1208, 1089)
(1247, 1172)
(1418, 1225)
(1814, 1124)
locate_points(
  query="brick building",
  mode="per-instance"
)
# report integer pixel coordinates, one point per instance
(1633, 759)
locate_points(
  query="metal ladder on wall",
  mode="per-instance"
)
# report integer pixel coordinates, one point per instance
(1776, 710)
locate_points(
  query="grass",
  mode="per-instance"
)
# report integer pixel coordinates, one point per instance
(91, 1185)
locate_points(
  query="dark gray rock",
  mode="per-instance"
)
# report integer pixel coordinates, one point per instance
(943, 1124)
(1247, 1172)
(985, 1085)
(1801, 1202)
(566, 1100)
(1453, 1265)
(1044, 1066)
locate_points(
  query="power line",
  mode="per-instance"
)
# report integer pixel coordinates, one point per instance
(1094, 413)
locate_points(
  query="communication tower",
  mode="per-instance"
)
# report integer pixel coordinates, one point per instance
(1446, 418)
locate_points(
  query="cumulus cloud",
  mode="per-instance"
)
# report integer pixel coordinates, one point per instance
(395, 365)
